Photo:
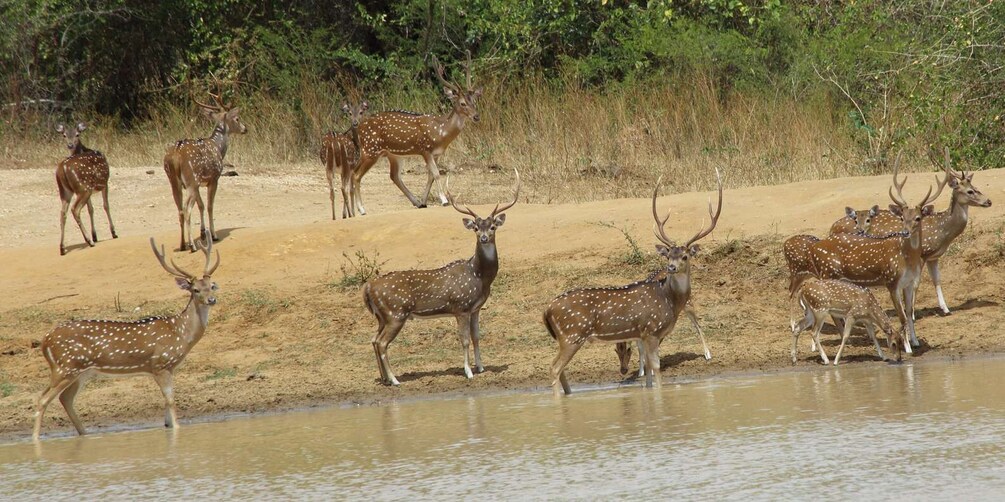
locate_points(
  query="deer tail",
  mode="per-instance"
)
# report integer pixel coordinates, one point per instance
(547, 324)
(368, 300)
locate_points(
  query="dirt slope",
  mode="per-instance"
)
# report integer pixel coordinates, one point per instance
(287, 333)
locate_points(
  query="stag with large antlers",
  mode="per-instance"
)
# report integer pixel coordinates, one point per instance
(193, 163)
(82, 173)
(894, 262)
(395, 134)
(646, 310)
(341, 151)
(457, 289)
(80, 350)
(940, 229)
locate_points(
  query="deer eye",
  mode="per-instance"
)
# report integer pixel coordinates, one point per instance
(970, 192)
(685, 257)
(917, 218)
(493, 227)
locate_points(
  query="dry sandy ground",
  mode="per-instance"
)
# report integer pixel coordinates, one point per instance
(287, 334)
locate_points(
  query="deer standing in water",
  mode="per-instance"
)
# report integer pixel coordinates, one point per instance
(820, 298)
(80, 350)
(395, 134)
(940, 229)
(341, 151)
(457, 289)
(891, 262)
(646, 310)
(82, 173)
(193, 163)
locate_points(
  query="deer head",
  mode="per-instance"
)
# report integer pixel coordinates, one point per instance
(72, 137)
(485, 228)
(355, 112)
(203, 290)
(677, 256)
(963, 189)
(862, 219)
(464, 100)
(223, 115)
(911, 215)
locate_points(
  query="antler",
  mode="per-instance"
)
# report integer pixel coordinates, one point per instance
(207, 249)
(467, 71)
(516, 194)
(443, 79)
(942, 184)
(219, 103)
(898, 186)
(715, 217)
(658, 226)
(462, 210)
(172, 269)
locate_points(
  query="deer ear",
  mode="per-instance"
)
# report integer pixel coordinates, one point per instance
(450, 93)
(81, 126)
(183, 283)
(693, 250)
(970, 177)
(470, 224)
(874, 210)
(364, 106)
(60, 128)
(953, 182)
(928, 210)
(895, 209)
(345, 107)
(663, 250)
(849, 212)
(500, 220)
(233, 112)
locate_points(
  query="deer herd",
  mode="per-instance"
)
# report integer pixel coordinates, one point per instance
(829, 278)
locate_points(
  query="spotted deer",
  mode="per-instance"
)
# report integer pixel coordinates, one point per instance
(341, 151)
(395, 134)
(456, 289)
(79, 175)
(855, 221)
(839, 299)
(796, 249)
(646, 310)
(940, 229)
(193, 163)
(78, 351)
(624, 349)
(893, 262)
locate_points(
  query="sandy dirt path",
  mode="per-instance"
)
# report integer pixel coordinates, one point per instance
(287, 333)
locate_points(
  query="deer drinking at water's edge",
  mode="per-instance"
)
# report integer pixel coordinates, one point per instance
(82, 173)
(457, 289)
(395, 134)
(646, 310)
(80, 350)
(193, 163)
(940, 229)
(340, 151)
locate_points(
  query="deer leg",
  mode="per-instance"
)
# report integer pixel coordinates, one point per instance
(383, 339)
(559, 382)
(396, 178)
(909, 292)
(476, 337)
(177, 195)
(652, 344)
(191, 199)
(933, 270)
(62, 226)
(433, 175)
(364, 165)
(642, 357)
(797, 328)
(47, 396)
(78, 205)
(108, 213)
(164, 380)
(849, 321)
(701, 336)
(817, 326)
(210, 200)
(898, 306)
(330, 174)
(464, 333)
(870, 328)
(66, 399)
(90, 213)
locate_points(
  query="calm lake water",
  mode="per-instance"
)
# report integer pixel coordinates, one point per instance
(931, 430)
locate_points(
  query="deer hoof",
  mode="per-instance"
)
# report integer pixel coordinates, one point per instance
(421, 206)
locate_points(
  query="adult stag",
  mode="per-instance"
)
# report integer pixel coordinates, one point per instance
(395, 134)
(893, 262)
(80, 350)
(457, 289)
(940, 229)
(646, 310)
(192, 163)
(79, 175)
(341, 151)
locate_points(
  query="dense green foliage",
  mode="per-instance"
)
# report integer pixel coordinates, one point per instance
(895, 71)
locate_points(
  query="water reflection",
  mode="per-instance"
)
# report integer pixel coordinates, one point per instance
(877, 431)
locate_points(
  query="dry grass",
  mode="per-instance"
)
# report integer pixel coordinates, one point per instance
(570, 144)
